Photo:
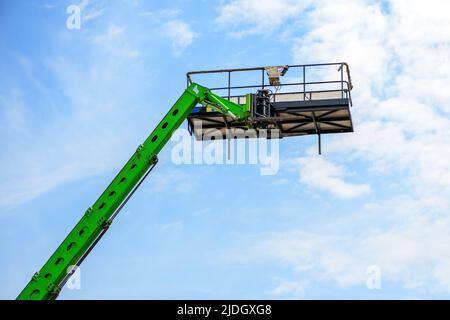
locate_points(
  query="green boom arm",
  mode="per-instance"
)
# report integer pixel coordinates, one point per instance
(47, 283)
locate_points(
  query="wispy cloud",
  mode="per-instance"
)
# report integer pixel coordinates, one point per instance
(69, 143)
(173, 180)
(400, 106)
(402, 129)
(49, 6)
(115, 40)
(295, 289)
(91, 9)
(399, 55)
(171, 227)
(161, 14)
(180, 33)
(247, 17)
(323, 175)
(407, 254)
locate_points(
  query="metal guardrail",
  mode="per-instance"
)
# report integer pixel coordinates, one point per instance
(343, 83)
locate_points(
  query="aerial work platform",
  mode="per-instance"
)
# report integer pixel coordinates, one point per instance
(307, 101)
(297, 100)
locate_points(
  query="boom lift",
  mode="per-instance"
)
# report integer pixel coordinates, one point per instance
(293, 113)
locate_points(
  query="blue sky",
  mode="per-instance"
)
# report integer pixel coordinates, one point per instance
(74, 105)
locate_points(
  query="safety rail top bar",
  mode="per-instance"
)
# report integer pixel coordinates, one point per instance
(263, 68)
(283, 84)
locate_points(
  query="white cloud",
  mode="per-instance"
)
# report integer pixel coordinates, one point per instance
(246, 17)
(402, 128)
(323, 175)
(287, 287)
(180, 33)
(91, 9)
(326, 257)
(171, 227)
(174, 180)
(112, 32)
(82, 119)
(405, 255)
(399, 54)
(115, 40)
(161, 14)
(92, 14)
(401, 106)
(410, 249)
(400, 69)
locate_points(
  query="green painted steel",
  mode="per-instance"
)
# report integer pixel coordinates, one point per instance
(223, 105)
(47, 283)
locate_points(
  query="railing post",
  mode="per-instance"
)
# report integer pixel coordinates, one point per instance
(262, 72)
(304, 83)
(229, 84)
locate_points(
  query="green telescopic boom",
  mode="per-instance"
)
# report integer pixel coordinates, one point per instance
(47, 283)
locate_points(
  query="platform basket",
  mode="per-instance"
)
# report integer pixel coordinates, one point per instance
(307, 99)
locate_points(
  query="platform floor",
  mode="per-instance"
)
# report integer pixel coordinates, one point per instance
(295, 114)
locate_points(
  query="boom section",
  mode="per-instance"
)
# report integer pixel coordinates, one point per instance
(47, 283)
